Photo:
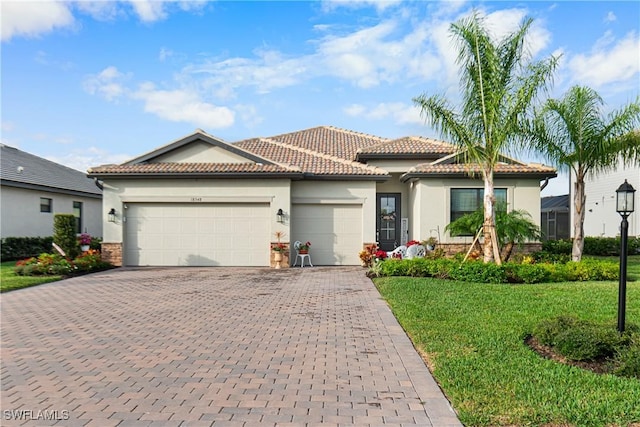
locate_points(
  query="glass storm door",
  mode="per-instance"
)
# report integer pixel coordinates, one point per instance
(388, 220)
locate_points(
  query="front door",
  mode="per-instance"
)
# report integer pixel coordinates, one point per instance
(388, 220)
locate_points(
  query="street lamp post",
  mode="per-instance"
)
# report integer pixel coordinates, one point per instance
(624, 206)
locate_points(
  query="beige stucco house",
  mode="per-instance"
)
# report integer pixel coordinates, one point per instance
(200, 201)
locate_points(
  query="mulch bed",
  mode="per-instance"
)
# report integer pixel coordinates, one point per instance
(599, 366)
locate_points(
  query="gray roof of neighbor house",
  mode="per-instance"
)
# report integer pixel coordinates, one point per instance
(555, 203)
(24, 170)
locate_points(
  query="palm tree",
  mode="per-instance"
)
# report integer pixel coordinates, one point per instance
(498, 85)
(513, 228)
(573, 134)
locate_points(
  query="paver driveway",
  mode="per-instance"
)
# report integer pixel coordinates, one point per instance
(212, 346)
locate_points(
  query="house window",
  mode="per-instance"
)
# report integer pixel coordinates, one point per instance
(77, 212)
(469, 200)
(46, 205)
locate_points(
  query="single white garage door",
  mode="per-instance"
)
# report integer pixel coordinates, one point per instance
(172, 234)
(335, 232)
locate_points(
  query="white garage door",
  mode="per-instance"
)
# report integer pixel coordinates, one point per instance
(174, 234)
(335, 232)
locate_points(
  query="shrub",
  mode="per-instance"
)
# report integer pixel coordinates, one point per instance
(57, 265)
(527, 273)
(64, 234)
(586, 341)
(627, 360)
(597, 246)
(547, 330)
(24, 247)
(583, 340)
(478, 271)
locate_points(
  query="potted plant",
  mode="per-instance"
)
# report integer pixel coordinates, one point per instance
(304, 248)
(85, 242)
(278, 248)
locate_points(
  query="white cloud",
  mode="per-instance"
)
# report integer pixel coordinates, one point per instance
(610, 61)
(398, 112)
(109, 84)
(379, 5)
(182, 105)
(149, 10)
(249, 115)
(32, 19)
(164, 54)
(85, 158)
(610, 17)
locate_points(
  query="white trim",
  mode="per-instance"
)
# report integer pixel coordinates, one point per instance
(326, 201)
(196, 199)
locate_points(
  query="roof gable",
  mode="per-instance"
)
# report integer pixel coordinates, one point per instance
(21, 169)
(198, 147)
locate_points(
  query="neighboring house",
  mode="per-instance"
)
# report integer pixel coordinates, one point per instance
(601, 218)
(201, 201)
(34, 189)
(554, 217)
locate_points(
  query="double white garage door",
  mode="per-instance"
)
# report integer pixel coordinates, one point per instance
(235, 234)
(221, 234)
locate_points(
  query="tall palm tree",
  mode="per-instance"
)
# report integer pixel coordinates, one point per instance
(573, 134)
(498, 83)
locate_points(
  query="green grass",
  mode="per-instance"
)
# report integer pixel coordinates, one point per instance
(10, 282)
(472, 337)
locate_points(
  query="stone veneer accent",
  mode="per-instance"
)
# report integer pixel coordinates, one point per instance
(456, 248)
(112, 253)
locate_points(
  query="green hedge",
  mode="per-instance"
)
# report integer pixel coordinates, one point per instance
(479, 272)
(599, 246)
(14, 248)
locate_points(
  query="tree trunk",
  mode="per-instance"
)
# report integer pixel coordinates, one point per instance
(506, 251)
(579, 199)
(490, 241)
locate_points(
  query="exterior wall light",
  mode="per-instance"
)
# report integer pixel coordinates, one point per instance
(112, 215)
(624, 206)
(280, 216)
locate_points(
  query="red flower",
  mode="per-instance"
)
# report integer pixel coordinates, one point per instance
(381, 255)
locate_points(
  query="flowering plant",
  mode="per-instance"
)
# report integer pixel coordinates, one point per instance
(380, 254)
(278, 247)
(304, 246)
(85, 239)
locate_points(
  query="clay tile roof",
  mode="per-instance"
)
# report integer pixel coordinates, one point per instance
(501, 168)
(189, 168)
(331, 140)
(413, 145)
(309, 161)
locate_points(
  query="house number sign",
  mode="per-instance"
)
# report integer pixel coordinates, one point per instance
(196, 199)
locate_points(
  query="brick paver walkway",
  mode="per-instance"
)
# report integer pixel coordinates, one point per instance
(212, 346)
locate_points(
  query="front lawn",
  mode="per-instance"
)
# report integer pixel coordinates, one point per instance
(472, 334)
(9, 281)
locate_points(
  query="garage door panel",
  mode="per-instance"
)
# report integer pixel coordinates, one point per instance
(207, 235)
(335, 232)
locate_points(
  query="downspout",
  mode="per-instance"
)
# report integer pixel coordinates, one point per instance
(98, 184)
(544, 184)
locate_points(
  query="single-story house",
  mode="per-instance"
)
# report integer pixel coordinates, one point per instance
(201, 201)
(35, 189)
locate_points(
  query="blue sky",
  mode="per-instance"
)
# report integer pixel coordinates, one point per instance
(89, 83)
